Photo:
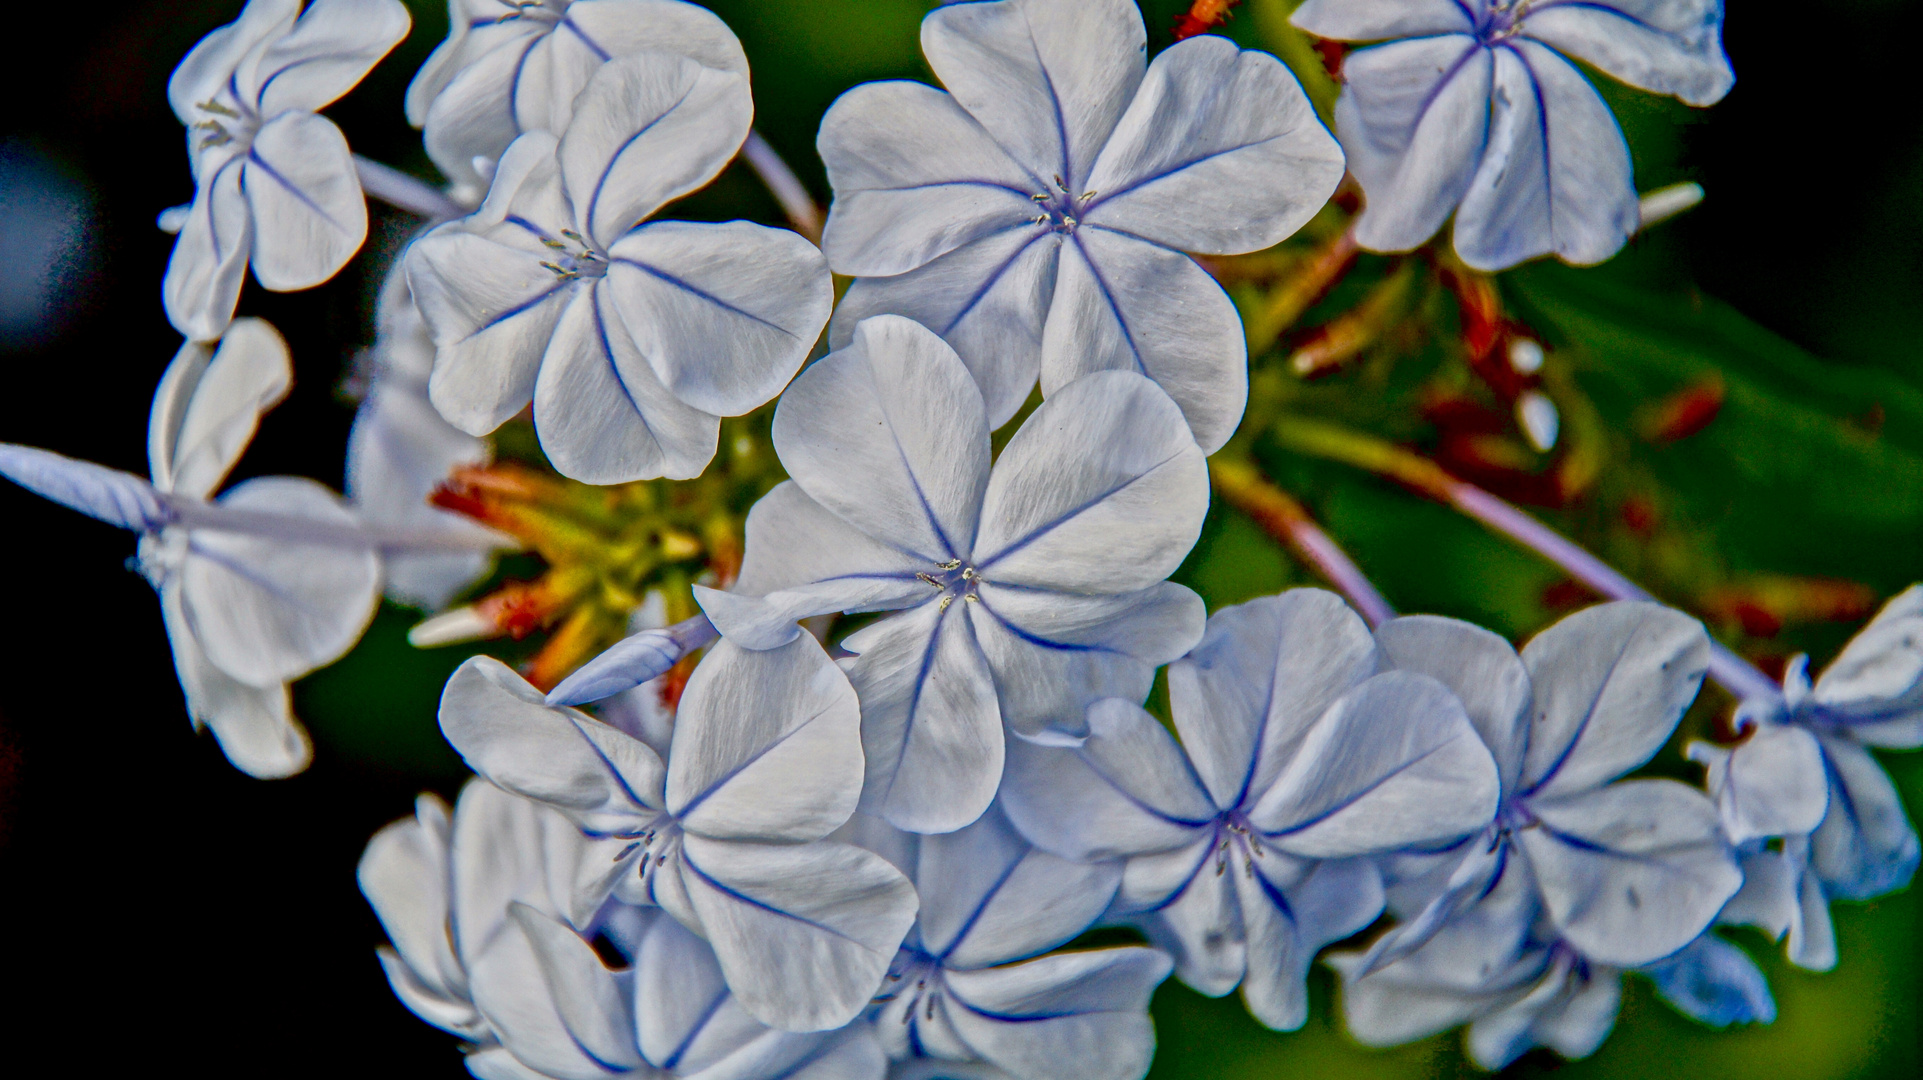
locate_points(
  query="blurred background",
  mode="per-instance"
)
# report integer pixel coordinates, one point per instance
(185, 914)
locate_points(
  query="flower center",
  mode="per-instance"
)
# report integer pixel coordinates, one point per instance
(913, 986)
(547, 11)
(1060, 208)
(574, 258)
(1236, 838)
(658, 842)
(953, 578)
(1503, 21)
(223, 120)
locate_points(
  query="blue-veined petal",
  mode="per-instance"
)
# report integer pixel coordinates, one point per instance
(1048, 79)
(205, 70)
(888, 433)
(915, 177)
(269, 610)
(1633, 871)
(1219, 153)
(1101, 491)
(803, 932)
(1072, 1016)
(1569, 1010)
(1285, 923)
(309, 214)
(601, 412)
(1413, 119)
(766, 745)
(1379, 20)
(1866, 845)
(1481, 668)
(209, 405)
(990, 898)
(255, 725)
(1555, 177)
(988, 299)
(1715, 983)
(1771, 784)
(648, 128)
(1263, 673)
(1124, 304)
(209, 260)
(1197, 915)
(1875, 685)
(332, 47)
(1663, 46)
(931, 730)
(109, 495)
(724, 313)
(1610, 684)
(595, 1005)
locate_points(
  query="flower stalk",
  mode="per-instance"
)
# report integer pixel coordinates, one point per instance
(1243, 486)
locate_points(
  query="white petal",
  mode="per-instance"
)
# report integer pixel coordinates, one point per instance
(1072, 1016)
(473, 114)
(792, 540)
(603, 780)
(1610, 684)
(594, 1004)
(766, 745)
(1866, 845)
(724, 313)
(1048, 80)
(1481, 668)
(1555, 178)
(1264, 672)
(915, 177)
(255, 725)
(804, 933)
(493, 311)
(507, 849)
(1101, 491)
(682, 1003)
(603, 415)
(1876, 684)
(1413, 117)
(454, 1015)
(1379, 20)
(309, 214)
(648, 128)
(1713, 982)
(205, 70)
(1570, 1010)
(1664, 46)
(1201, 921)
(1220, 152)
(1127, 789)
(1392, 764)
(332, 47)
(206, 411)
(931, 730)
(1771, 784)
(404, 875)
(631, 26)
(1286, 928)
(209, 261)
(1633, 871)
(109, 495)
(988, 299)
(1054, 653)
(271, 610)
(989, 898)
(1125, 304)
(512, 994)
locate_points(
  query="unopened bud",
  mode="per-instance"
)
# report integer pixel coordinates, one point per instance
(1539, 420)
(1525, 356)
(453, 627)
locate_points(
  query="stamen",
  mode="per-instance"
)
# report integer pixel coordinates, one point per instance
(968, 573)
(215, 107)
(1043, 197)
(949, 565)
(972, 598)
(943, 606)
(931, 1005)
(929, 579)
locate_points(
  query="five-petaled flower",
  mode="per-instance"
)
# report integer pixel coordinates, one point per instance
(1470, 106)
(1036, 213)
(1025, 591)
(632, 340)
(274, 184)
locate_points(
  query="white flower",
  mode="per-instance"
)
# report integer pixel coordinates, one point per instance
(514, 66)
(727, 836)
(972, 983)
(1804, 773)
(1243, 842)
(443, 890)
(400, 450)
(275, 184)
(632, 340)
(1029, 590)
(263, 586)
(1523, 927)
(1035, 214)
(1470, 106)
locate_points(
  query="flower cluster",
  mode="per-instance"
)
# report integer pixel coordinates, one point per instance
(740, 846)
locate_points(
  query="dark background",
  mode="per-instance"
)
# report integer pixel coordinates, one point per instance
(169, 910)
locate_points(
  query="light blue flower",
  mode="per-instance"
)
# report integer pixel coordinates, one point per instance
(1522, 929)
(632, 338)
(1243, 843)
(1471, 106)
(978, 980)
(1024, 591)
(1804, 774)
(275, 186)
(1036, 213)
(728, 833)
